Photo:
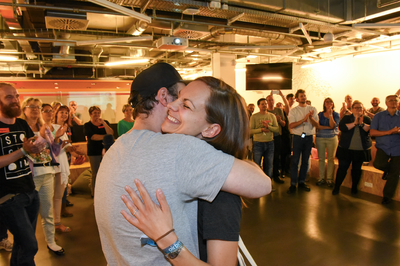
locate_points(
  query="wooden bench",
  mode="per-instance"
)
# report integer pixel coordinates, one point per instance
(371, 178)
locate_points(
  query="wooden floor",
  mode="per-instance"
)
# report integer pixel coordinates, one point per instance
(302, 229)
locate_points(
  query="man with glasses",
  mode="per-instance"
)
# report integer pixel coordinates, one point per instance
(385, 126)
(19, 201)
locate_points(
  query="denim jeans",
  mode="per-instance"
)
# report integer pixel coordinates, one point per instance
(301, 147)
(20, 214)
(45, 186)
(266, 150)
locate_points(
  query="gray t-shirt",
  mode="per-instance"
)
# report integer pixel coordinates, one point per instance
(184, 167)
(356, 143)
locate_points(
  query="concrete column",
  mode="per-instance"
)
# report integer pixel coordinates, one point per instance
(223, 67)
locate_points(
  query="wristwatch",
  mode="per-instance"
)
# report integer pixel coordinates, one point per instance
(173, 251)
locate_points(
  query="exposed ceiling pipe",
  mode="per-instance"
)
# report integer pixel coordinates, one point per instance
(276, 38)
(12, 22)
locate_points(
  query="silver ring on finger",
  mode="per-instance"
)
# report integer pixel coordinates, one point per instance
(135, 212)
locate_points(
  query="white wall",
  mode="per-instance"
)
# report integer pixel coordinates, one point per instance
(362, 78)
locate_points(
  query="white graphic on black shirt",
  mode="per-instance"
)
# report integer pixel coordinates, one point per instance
(11, 142)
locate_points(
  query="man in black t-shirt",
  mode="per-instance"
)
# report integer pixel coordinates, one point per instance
(19, 201)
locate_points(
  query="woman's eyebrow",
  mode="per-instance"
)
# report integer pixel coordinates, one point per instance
(188, 100)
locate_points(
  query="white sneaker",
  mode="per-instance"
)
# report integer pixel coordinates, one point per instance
(5, 244)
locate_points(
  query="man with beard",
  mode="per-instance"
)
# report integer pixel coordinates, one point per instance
(303, 119)
(375, 108)
(19, 201)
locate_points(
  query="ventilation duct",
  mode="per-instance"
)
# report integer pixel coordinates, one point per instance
(275, 38)
(191, 31)
(66, 21)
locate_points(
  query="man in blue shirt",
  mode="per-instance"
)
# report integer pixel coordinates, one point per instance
(385, 127)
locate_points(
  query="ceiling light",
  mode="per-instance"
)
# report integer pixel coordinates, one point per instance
(127, 62)
(272, 78)
(55, 83)
(270, 47)
(189, 51)
(380, 14)
(122, 10)
(251, 56)
(56, 88)
(191, 11)
(8, 58)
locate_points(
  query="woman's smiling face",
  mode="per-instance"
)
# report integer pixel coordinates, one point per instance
(62, 116)
(187, 115)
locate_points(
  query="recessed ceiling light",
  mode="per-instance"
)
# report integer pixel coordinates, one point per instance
(55, 83)
(117, 88)
(92, 84)
(191, 11)
(8, 58)
(56, 88)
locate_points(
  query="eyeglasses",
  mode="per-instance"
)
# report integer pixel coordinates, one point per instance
(48, 111)
(358, 108)
(34, 107)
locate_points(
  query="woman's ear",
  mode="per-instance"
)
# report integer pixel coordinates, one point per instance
(162, 96)
(211, 131)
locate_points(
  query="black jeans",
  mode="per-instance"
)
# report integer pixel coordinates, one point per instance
(19, 214)
(391, 165)
(356, 171)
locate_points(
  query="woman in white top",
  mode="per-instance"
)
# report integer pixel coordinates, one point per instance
(44, 167)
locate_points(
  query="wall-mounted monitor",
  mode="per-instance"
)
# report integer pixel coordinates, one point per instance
(277, 76)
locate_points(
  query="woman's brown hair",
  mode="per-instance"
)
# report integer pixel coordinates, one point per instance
(62, 107)
(228, 109)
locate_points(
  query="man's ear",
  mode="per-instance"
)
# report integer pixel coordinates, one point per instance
(211, 131)
(162, 96)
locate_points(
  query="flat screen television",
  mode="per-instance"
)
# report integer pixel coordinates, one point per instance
(277, 76)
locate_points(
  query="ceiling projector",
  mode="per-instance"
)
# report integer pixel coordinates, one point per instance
(172, 43)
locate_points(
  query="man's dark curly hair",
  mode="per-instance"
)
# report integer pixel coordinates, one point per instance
(144, 105)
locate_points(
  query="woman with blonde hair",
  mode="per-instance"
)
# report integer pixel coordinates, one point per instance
(43, 167)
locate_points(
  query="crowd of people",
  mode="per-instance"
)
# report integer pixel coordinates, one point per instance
(346, 135)
(36, 153)
(185, 143)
